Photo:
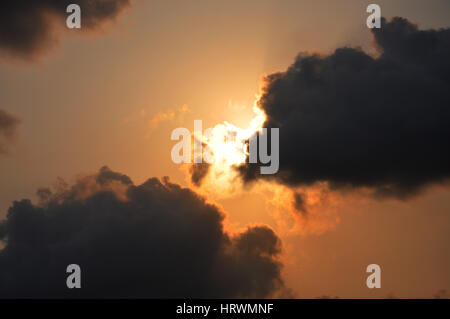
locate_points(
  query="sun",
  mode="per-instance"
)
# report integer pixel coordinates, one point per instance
(227, 148)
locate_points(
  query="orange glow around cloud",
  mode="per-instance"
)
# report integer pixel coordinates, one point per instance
(226, 148)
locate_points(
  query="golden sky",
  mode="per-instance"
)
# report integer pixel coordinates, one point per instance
(113, 96)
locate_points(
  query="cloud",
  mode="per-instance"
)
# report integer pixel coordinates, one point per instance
(8, 129)
(357, 121)
(300, 203)
(168, 115)
(198, 172)
(27, 28)
(157, 239)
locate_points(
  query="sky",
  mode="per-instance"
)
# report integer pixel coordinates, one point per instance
(110, 94)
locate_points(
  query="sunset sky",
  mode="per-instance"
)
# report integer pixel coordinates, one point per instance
(111, 93)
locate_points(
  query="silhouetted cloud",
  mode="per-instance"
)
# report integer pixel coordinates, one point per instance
(28, 27)
(8, 128)
(198, 172)
(157, 239)
(354, 120)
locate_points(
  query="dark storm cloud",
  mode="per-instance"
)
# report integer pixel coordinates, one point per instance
(8, 128)
(27, 27)
(198, 172)
(161, 241)
(355, 120)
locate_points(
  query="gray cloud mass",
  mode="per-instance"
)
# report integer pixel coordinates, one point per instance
(27, 28)
(358, 121)
(157, 239)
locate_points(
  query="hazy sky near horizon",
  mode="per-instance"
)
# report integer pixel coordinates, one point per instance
(89, 102)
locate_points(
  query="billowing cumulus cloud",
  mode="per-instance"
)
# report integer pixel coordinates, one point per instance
(28, 27)
(157, 239)
(8, 129)
(358, 121)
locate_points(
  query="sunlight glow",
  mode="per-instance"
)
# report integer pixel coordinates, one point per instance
(227, 147)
